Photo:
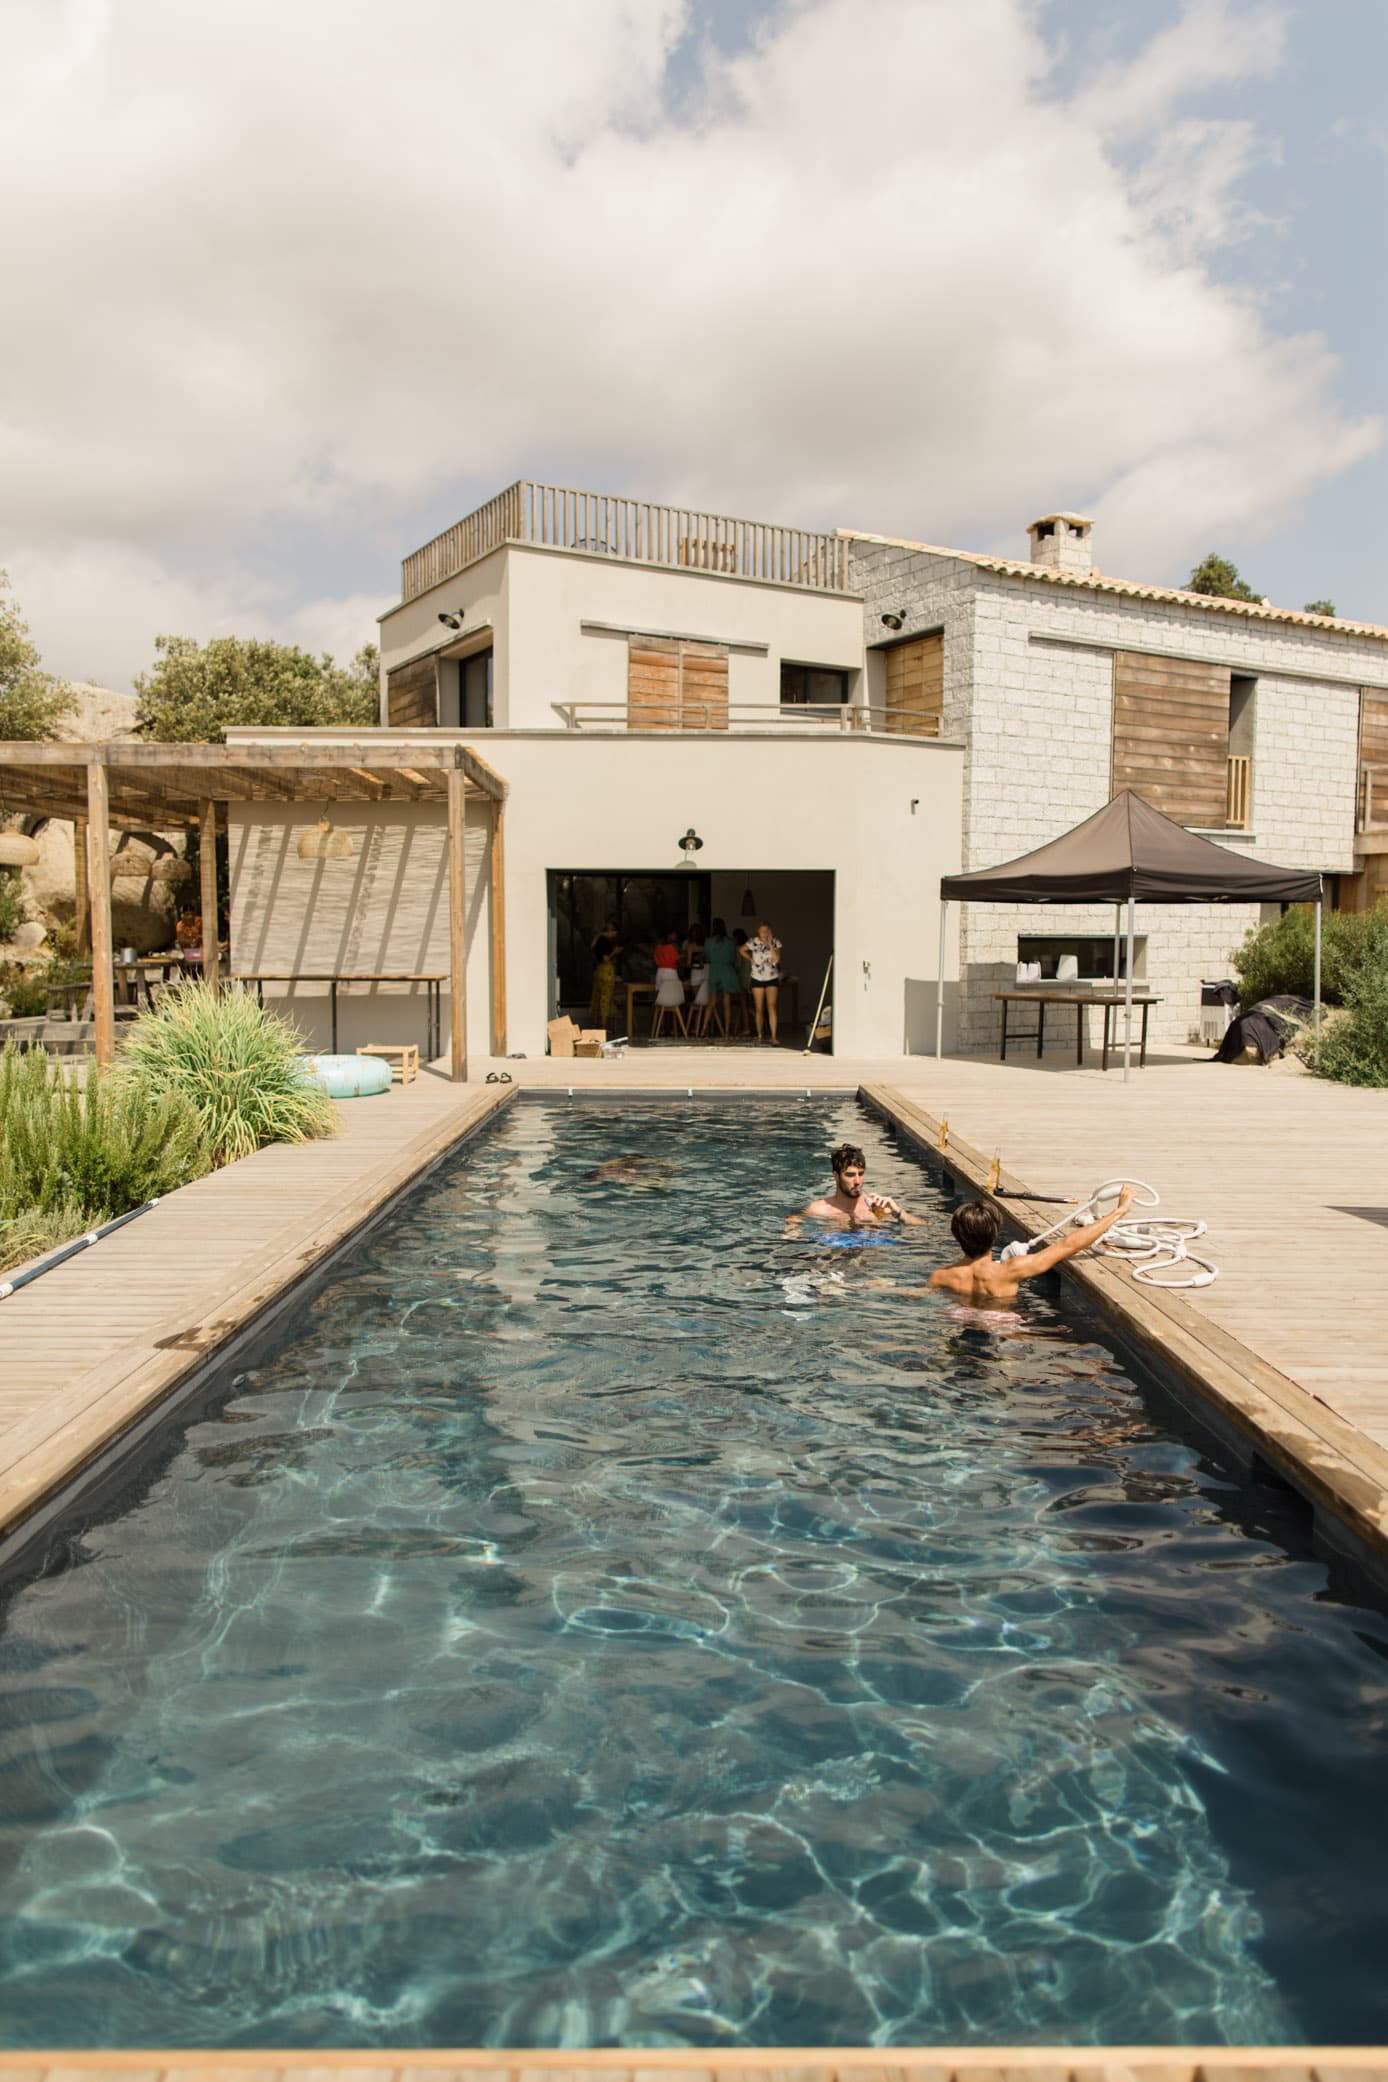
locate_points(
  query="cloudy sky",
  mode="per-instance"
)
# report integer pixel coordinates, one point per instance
(290, 285)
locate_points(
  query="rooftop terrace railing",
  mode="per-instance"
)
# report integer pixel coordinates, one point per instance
(681, 538)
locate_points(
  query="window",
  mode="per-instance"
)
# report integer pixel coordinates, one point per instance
(1093, 955)
(1171, 736)
(804, 686)
(676, 683)
(915, 685)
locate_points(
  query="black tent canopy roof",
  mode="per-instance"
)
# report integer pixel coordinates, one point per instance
(1129, 850)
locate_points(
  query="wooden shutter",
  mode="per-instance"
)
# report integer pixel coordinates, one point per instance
(412, 696)
(1171, 736)
(676, 685)
(1373, 751)
(916, 685)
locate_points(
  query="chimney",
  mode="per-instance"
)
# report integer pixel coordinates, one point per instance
(1061, 542)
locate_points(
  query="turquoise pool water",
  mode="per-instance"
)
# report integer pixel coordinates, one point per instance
(594, 1618)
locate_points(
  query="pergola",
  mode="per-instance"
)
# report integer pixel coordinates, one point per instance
(132, 785)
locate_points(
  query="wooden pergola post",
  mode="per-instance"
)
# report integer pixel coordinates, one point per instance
(81, 886)
(457, 921)
(498, 918)
(207, 865)
(99, 886)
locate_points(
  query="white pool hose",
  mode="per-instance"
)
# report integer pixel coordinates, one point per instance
(1150, 1246)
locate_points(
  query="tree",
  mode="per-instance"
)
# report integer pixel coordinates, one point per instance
(196, 692)
(1218, 579)
(1326, 607)
(32, 702)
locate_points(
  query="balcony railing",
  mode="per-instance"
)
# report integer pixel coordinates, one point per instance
(684, 712)
(1373, 797)
(1239, 790)
(634, 530)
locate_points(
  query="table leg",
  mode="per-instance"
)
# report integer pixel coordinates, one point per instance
(332, 1000)
(1079, 1034)
(1002, 1052)
(1108, 1014)
(1040, 1027)
(1142, 1052)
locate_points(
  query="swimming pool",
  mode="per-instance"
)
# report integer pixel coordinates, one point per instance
(594, 1618)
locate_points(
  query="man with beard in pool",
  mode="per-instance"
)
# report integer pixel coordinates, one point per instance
(850, 1202)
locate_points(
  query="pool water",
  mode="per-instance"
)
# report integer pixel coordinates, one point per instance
(595, 1617)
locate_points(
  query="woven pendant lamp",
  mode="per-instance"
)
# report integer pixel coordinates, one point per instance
(325, 842)
(17, 849)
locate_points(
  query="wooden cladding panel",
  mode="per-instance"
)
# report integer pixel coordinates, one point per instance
(1171, 736)
(1373, 727)
(674, 685)
(412, 695)
(915, 683)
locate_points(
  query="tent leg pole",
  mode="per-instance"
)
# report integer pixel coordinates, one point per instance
(1117, 935)
(1128, 999)
(940, 988)
(1316, 982)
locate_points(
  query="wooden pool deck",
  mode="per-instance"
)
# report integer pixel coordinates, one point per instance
(797, 2064)
(87, 1348)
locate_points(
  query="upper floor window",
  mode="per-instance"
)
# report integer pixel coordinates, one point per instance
(812, 686)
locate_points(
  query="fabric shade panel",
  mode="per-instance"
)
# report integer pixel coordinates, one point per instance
(1128, 850)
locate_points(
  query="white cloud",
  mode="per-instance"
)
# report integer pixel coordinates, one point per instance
(287, 268)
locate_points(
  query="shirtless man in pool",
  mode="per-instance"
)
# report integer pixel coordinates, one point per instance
(849, 1202)
(980, 1277)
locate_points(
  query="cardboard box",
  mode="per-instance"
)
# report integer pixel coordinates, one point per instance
(589, 1049)
(562, 1034)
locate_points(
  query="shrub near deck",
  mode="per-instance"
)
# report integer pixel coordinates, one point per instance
(74, 1155)
(239, 1067)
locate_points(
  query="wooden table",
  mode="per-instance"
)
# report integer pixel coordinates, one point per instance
(433, 979)
(1110, 1001)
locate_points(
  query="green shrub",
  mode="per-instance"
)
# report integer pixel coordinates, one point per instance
(1279, 959)
(239, 1066)
(25, 994)
(1354, 1046)
(74, 1154)
(11, 903)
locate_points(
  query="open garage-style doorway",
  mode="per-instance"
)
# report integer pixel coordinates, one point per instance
(798, 904)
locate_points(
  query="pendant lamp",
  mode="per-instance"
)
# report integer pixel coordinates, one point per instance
(325, 842)
(17, 849)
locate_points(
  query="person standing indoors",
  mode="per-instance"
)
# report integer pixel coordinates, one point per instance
(764, 953)
(724, 982)
(606, 948)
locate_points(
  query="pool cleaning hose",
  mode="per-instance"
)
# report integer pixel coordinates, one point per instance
(1151, 1246)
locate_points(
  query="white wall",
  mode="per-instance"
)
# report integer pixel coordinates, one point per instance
(384, 908)
(537, 599)
(761, 807)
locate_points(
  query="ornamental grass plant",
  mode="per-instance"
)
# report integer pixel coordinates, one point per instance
(1353, 1047)
(238, 1067)
(76, 1153)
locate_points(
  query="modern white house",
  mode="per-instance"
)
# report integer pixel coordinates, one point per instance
(694, 716)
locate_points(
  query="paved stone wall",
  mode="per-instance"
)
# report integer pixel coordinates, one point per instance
(1036, 718)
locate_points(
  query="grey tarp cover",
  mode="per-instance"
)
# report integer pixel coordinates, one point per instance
(1128, 849)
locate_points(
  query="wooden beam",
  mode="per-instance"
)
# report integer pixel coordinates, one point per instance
(497, 908)
(207, 864)
(79, 884)
(457, 924)
(99, 886)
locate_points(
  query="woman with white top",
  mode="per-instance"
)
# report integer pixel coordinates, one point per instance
(764, 954)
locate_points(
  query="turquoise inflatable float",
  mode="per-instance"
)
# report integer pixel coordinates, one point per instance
(348, 1076)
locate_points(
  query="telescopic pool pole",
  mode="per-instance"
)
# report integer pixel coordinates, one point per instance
(823, 993)
(1316, 980)
(940, 987)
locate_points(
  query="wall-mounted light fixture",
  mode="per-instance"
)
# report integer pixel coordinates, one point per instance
(454, 619)
(325, 842)
(895, 619)
(691, 843)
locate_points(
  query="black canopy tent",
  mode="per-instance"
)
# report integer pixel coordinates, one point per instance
(1127, 852)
